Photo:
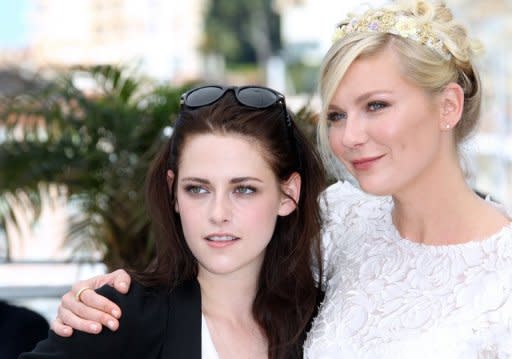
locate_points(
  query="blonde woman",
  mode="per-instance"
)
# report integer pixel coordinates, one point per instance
(416, 264)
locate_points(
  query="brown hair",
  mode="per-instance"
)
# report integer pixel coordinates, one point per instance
(288, 293)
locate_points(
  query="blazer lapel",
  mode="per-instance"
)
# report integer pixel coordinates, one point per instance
(183, 339)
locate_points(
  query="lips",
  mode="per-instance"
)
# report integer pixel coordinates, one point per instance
(221, 238)
(365, 163)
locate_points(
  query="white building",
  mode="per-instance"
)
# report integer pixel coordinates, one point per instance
(162, 37)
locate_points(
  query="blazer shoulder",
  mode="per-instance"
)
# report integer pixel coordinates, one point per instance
(139, 298)
(141, 331)
(184, 322)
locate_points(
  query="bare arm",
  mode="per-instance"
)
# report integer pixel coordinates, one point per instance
(93, 310)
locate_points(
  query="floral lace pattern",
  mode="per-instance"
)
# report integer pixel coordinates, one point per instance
(388, 297)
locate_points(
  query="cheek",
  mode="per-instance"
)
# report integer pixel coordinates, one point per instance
(193, 228)
(336, 141)
(409, 142)
(257, 219)
(392, 136)
(257, 212)
(397, 132)
(189, 216)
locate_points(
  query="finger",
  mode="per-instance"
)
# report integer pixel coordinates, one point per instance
(89, 298)
(118, 279)
(122, 280)
(60, 328)
(69, 318)
(88, 283)
(89, 311)
(93, 306)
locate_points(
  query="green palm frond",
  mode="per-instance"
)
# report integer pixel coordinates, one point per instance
(99, 145)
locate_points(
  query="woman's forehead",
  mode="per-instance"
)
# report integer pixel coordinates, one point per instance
(228, 153)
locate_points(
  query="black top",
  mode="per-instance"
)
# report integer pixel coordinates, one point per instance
(20, 330)
(156, 323)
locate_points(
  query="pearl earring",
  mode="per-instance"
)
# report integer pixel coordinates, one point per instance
(447, 126)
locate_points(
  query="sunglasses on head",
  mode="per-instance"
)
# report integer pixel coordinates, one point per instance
(257, 97)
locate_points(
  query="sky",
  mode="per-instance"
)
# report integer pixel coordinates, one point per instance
(12, 23)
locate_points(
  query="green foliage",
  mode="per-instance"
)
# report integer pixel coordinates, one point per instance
(304, 77)
(98, 145)
(307, 119)
(244, 31)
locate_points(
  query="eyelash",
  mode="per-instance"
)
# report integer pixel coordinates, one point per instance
(380, 104)
(245, 190)
(198, 190)
(373, 106)
(335, 116)
(194, 189)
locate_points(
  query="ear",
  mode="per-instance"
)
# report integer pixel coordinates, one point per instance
(170, 182)
(452, 104)
(292, 190)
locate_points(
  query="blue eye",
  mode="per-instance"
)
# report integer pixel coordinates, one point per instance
(377, 105)
(245, 189)
(336, 116)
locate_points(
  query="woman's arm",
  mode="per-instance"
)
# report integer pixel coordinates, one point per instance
(93, 310)
(141, 333)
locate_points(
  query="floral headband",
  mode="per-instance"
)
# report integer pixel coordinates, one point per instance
(397, 23)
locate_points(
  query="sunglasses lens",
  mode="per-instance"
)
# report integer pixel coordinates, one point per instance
(203, 96)
(257, 97)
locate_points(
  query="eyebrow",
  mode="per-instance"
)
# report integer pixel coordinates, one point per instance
(233, 180)
(367, 95)
(361, 98)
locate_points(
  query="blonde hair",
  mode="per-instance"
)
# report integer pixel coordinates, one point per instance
(419, 63)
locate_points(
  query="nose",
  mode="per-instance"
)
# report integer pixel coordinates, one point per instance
(354, 132)
(221, 209)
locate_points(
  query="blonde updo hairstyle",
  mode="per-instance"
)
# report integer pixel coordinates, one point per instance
(419, 63)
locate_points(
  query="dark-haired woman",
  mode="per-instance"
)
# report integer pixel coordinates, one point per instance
(234, 201)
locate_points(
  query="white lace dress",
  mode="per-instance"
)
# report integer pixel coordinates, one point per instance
(388, 297)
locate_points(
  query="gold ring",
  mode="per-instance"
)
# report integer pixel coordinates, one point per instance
(79, 293)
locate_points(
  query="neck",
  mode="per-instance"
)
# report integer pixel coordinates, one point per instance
(227, 296)
(440, 208)
(227, 306)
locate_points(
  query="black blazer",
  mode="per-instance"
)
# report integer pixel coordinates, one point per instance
(20, 330)
(156, 323)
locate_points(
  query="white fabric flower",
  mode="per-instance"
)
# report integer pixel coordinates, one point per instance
(387, 297)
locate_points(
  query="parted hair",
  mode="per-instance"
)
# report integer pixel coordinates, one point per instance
(288, 291)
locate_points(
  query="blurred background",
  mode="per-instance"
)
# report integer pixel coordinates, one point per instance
(89, 89)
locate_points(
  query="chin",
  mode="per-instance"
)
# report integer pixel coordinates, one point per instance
(222, 268)
(375, 189)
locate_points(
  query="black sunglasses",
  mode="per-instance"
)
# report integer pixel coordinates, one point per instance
(249, 96)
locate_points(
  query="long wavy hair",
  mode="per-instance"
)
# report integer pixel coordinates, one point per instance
(288, 291)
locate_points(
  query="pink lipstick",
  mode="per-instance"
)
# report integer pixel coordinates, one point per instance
(366, 163)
